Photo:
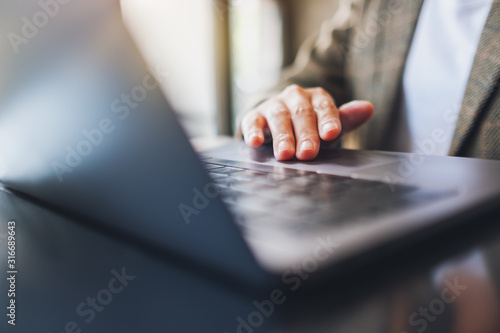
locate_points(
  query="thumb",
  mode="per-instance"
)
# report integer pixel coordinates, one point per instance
(354, 114)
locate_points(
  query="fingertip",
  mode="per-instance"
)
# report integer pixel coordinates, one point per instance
(330, 131)
(284, 151)
(255, 139)
(307, 151)
(307, 156)
(252, 126)
(284, 155)
(355, 114)
(367, 108)
(364, 107)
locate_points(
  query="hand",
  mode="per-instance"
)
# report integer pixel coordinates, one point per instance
(309, 113)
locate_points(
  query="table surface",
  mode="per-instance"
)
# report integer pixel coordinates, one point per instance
(75, 278)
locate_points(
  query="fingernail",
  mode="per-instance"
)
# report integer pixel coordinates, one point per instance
(284, 146)
(328, 127)
(307, 145)
(253, 135)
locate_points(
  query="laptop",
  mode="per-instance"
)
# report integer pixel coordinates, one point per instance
(85, 129)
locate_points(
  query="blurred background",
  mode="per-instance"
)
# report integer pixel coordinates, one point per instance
(219, 54)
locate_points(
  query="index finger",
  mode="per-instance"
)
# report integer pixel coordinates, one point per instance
(329, 125)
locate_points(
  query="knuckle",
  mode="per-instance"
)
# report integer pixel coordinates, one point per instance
(304, 111)
(324, 99)
(249, 119)
(267, 102)
(249, 115)
(253, 118)
(279, 112)
(308, 133)
(293, 89)
(319, 91)
(252, 121)
(324, 105)
(283, 137)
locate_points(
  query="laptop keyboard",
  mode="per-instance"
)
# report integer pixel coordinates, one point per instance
(300, 199)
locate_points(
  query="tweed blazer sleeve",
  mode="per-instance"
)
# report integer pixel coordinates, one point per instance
(321, 60)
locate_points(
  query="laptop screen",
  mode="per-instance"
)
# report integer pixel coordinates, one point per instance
(84, 128)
